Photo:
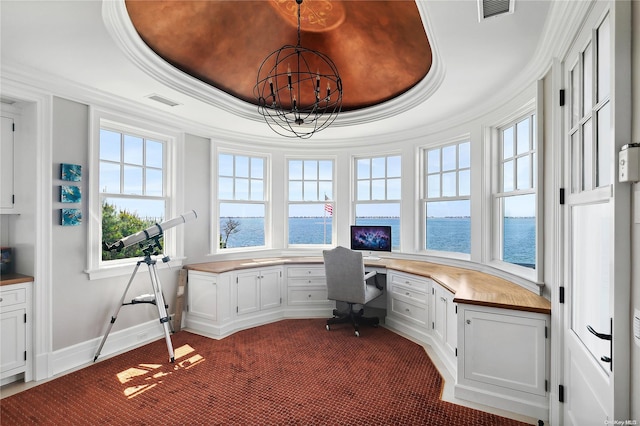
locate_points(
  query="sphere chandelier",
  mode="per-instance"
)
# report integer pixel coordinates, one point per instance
(299, 90)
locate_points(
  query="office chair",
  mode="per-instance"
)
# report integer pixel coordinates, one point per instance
(347, 282)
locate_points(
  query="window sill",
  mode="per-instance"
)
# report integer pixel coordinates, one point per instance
(124, 269)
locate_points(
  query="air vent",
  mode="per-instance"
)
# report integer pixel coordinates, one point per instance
(163, 100)
(491, 8)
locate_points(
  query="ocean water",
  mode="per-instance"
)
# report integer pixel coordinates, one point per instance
(446, 234)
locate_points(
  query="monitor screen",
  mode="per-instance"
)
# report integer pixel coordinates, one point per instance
(371, 238)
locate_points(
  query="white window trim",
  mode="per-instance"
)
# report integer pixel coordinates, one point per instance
(534, 277)
(422, 198)
(215, 228)
(173, 242)
(334, 233)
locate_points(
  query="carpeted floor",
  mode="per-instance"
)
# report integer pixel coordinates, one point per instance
(291, 372)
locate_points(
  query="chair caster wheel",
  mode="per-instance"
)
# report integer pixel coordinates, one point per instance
(328, 328)
(357, 333)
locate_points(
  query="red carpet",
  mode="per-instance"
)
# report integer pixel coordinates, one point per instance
(292, 372)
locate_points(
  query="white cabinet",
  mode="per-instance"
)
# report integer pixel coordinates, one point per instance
(408, 303)
(503, 359)
(6, 165)
(15, 332)
(208, 301)
(444, 324)
(307, 292)
(258, 290)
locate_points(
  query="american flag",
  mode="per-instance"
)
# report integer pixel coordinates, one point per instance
(328, 207)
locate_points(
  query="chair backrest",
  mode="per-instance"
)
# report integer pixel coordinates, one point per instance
(344, 270)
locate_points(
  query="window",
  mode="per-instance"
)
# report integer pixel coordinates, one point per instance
(132, 182)
(378, 192)
(241, 201)
(311, 204)
(516, 199)
(446, 198)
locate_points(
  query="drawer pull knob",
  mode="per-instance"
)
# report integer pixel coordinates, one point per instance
(407, 310)
(1, 299)
(468, 321)
(408, 294)
(443, 299)
(309, 296)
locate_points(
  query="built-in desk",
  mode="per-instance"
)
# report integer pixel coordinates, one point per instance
(491, 334)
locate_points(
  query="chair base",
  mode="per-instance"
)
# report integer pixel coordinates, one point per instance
(355, 318)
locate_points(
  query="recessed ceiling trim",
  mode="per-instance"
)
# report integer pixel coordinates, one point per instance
(121, 29)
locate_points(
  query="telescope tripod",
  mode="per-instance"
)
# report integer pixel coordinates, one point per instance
(155, 299)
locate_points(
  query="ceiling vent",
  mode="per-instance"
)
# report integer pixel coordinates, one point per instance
(163, 100)
(491, 8)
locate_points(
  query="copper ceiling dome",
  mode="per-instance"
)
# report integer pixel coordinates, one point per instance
(379, 47)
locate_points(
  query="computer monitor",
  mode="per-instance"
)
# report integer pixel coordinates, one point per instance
(371, 237)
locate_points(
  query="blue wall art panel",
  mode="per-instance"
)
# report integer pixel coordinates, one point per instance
(70, 217)
(71, 172)
(70, 194)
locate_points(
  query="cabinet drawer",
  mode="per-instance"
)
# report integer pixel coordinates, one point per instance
(421, 284)
(310, 281)
(408, 310)
(298, 296)
(310, 271)
(13, 297)
(412, 293)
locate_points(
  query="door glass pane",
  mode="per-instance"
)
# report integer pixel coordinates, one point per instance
(604, 146)
(575, 92)
(575, 162)
(604, 58)
(587, 152)
(590, 258)
(588, 80)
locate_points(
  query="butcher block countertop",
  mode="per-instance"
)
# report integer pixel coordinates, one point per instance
(9, 279)
(470, 287)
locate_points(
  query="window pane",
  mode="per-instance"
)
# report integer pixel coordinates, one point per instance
(378, 189)
(507, 176)
(587, 153)
(132, 180)
(325, 190)
(242, 189)
(325, 170)
(133, 150)
(524, 172)
(587, 76)
(295, 191)
(386, 214)
(433, 186)
(364, 190)
(154, 154)
(309, 224)
(378, 167)
(249, 231)
(604, 146)
(464, 155)
(393, 166)
(109, 145)
(393, 189)
(519, 230)
(464, 183)
(257, 190)
(433, 161)
(225, 165)
(604, 58)
(310, 191)
(310, 170)
(225, 188)
(449, 184)
(364, 168)
(448, 226)
(507, 143)
(110, 178)
(257, 168)
(154, 183)
(295, 170)
(522, 131)
(242, 166)
(449, 158)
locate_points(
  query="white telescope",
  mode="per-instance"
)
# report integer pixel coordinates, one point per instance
(151, 232)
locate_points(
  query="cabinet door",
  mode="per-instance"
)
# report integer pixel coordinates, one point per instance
(270, 289)
(13, 339)
(439, 313)
(451, 335)
(248, 292)
(505, 350)
(6, 164)
(203, 296)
